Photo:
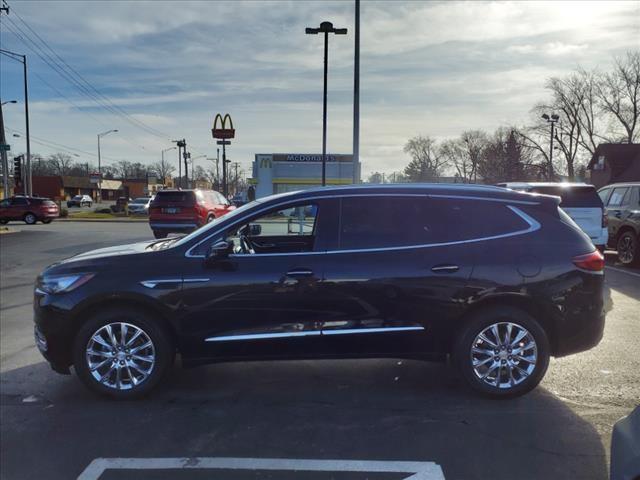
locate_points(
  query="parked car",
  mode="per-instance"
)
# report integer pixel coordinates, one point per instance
(409, 271)
(80, 201)
(625, 448)
(579, 200)
(622, 208)
(28, 209)
(140, 206)
(239, 199)
(185, 210)
(120, 204)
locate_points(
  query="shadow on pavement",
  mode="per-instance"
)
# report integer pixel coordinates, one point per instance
(361, 410)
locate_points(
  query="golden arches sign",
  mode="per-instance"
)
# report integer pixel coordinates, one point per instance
(223, 131)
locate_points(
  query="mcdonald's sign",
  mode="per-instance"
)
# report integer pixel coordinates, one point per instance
(222, 131)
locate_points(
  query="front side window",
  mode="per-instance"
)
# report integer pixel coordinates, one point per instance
(284, 230)
(603, 194)
(4, 203)
(618, 197)
(383, 222)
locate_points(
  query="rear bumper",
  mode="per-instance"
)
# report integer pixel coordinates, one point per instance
(173, 226)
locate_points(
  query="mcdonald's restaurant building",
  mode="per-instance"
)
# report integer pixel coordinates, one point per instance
(287, 172)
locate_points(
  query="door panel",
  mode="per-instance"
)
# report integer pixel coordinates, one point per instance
(393, 302)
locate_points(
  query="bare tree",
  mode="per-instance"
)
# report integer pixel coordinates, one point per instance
(60, 163)
(427, 164)
(163, 169)
(619, 94)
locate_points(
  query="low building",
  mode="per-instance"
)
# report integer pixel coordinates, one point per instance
(614, 163)
(286, 172)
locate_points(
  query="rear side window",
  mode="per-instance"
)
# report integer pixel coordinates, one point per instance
(19, 201)
(379, 222)
(619, 197)
(174, 197)
(573, 197)
(603, 194)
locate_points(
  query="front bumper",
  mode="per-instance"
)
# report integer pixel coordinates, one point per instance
(53, 333)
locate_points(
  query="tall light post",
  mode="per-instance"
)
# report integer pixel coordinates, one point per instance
(3, 153)
(100, 135)
(326, 28)
(551, 120)
(356, 95)
(193, 168)
(162, 154)
(23, 59)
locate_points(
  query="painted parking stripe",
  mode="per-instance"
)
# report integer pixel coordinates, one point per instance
(621, 270)
(414, 470)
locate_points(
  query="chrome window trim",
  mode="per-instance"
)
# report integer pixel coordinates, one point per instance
(533, 224)
(195, 280)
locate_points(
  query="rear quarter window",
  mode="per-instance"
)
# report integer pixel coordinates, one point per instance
(573, 197)
(174, 197)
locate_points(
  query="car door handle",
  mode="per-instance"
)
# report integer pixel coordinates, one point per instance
(445, 268)
(300, 272)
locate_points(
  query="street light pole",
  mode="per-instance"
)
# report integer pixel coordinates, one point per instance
(100, 164)
(326, 28)
(163, 167)
(551, 120)
(356, 95)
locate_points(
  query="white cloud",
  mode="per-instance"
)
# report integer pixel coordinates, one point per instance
(433, 68)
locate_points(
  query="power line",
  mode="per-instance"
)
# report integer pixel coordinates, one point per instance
(32, 45)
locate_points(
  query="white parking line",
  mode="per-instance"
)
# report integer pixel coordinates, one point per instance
(635, 274)
(416, 470)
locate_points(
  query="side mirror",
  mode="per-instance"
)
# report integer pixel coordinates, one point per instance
(218, 250)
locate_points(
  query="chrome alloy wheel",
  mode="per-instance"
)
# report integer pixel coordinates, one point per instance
(626, 250)
(120, 356)
(504, 355)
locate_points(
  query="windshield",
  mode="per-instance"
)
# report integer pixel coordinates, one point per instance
(202, 230)
(141, 200)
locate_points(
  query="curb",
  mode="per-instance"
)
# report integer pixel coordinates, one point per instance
(6, 230)
(103, 220)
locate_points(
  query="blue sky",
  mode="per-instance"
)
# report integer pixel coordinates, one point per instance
(431, 68)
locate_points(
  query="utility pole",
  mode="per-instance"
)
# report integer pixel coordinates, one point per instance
(552, 120)
(356, 96)
(235, 179)
(182, 144)
(218, 170)
(186, 156)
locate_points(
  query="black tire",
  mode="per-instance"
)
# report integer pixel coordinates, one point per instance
(211, 218)
(163, 349)
(30, 218)
(627, 247)
(476, 324)
(47, 220)
(159, 234)
(3, 221)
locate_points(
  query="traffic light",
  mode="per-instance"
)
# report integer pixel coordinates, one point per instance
(17, 168)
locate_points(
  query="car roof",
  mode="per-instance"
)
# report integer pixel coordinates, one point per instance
(444, 189)
(622, 184)
(545, 184)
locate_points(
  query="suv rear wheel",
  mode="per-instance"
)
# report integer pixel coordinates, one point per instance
(502, 352)
(159, 234)
(122, 353)
(627, 247)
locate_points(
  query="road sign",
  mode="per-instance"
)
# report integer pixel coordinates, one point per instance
(5, 147)
(94, 177)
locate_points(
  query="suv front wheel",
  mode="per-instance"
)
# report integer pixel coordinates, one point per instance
(502, 352)
(122, 353)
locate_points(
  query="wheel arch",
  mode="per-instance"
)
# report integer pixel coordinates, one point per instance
(523, 302)
(86, 310)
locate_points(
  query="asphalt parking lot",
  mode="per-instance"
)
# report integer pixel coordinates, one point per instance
(376, 419)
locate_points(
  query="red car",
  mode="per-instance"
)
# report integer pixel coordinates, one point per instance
(28, 209)
(185, 210)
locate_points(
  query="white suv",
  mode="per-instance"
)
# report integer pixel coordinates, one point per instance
(581, 202)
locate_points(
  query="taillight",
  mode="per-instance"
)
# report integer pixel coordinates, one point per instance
(593, 262)
(605, 220)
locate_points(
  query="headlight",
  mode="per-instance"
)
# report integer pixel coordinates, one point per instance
(62, 283)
